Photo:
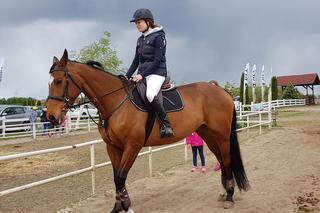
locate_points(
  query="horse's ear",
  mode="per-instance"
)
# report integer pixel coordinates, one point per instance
(55, 60)
(64, 58)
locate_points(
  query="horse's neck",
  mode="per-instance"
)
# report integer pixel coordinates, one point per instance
(97, 84)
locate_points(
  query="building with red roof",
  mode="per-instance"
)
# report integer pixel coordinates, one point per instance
(307, 81)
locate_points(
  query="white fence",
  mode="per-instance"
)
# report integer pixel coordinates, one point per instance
(248, 119)
(40, 129)
(36, 130)
(91, 168)
(274, 104)
(250, 123)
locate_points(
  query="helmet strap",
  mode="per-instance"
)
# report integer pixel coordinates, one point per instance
(148, 26)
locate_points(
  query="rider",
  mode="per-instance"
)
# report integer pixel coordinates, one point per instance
(150, 60)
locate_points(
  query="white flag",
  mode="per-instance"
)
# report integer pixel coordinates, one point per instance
(262, 76)
(246, 71)
(1, 68)
(254, 75)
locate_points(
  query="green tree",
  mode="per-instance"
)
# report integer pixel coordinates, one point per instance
(274, 88)
(248, 92)
(290, 92)
(232, 89)
(19, 101)
(241, 87)
(101, 51)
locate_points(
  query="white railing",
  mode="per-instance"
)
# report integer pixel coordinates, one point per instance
(242, 118)
(35, 130)
(92, 167)
(274, 104)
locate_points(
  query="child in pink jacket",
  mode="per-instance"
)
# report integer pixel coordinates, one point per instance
(196, 143)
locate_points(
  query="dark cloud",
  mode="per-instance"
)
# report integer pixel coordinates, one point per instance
(206, 39)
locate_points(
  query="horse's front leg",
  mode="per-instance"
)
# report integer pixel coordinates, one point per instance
(115, 155)
(120, 175)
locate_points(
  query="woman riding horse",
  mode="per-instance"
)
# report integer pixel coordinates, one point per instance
(151, 60)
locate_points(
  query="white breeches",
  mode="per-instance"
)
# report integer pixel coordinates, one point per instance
(154, 83)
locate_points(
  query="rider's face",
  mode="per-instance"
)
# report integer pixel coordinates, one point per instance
(141, 25)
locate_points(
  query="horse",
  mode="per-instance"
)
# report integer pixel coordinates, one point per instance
(208, 110)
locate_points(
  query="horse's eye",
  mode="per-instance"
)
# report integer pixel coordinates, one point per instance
(59, 81)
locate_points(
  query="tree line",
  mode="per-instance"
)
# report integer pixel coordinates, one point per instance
(20, 101)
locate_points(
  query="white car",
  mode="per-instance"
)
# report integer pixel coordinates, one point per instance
(82, 111)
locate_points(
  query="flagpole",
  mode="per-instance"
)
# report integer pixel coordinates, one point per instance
(253, 83)
(262, 83)
(245, 82)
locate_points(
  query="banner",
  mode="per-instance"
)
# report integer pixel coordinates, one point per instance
(263, 83)
(2, 60)
(246, 72)
(254, 75)
(245, 82)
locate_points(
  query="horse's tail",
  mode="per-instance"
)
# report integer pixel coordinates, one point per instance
(236, 161)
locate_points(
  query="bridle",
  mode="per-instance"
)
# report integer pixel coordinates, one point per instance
(65, 98)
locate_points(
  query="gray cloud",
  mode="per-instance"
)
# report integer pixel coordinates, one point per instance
(206, 39)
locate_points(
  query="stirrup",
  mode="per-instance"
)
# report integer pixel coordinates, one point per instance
(166, 132)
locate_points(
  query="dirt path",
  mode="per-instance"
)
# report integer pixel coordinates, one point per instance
(283, 167)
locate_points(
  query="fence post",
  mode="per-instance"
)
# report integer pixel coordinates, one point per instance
(248, 124)
(34, 131)
(93, 167)
(67, 127)
(150, 161)
(269, 115)
(88, 124)
(240, 109)
(260, 125)
(3, 127)
(185, 151)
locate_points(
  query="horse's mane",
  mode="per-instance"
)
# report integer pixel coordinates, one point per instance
(96, 65)
(214, 82)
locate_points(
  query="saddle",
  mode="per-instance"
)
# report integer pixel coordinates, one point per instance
(168, 94)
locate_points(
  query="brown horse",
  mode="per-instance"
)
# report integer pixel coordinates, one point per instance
(208, 110)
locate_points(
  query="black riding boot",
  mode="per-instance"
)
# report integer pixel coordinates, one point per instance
(165, 130)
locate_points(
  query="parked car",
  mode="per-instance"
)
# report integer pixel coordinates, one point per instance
(82, 111)
(14, 115)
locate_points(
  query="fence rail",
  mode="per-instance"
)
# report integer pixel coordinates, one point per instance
(39, 129)
(274, 104)
(250, 119)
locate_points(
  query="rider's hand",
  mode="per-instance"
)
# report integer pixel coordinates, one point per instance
(137, 78)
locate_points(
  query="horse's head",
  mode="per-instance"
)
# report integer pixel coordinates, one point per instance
(63, 89)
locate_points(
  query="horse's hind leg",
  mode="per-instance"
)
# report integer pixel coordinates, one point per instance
(221, 148)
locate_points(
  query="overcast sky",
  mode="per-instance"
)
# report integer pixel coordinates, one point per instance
(207, 39)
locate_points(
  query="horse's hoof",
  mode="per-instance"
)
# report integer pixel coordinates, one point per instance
(228, 205)
(222, 197)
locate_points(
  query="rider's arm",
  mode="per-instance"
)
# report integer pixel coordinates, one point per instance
(134, 64)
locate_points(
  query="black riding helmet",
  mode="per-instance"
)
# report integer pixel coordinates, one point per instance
(142, 13)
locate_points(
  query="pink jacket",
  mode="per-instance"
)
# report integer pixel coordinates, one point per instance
(194, 139)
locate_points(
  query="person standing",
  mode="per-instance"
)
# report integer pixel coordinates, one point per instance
(44, 121)
(196, 143)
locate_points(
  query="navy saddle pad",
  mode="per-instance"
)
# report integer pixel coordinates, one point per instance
(172, 101)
